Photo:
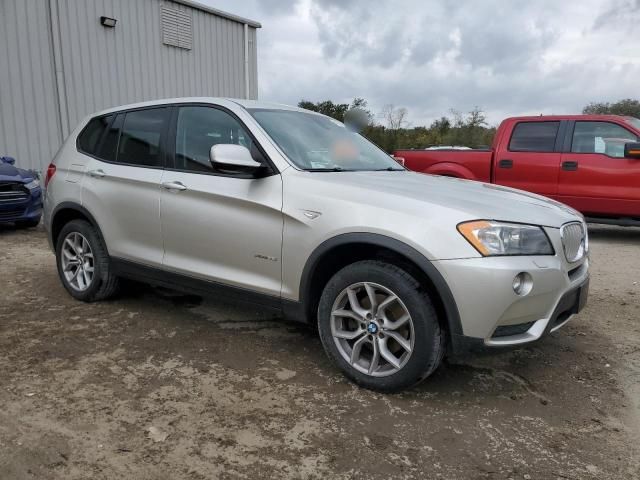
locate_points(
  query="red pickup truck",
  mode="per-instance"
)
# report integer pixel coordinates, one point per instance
(590, 162)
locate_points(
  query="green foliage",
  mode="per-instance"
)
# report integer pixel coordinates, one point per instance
(627, 106)
(395, 132)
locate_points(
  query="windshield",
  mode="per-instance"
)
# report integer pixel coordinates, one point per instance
(634, 121)
(318, 143)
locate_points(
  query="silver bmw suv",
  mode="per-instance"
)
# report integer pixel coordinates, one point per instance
(293, 211)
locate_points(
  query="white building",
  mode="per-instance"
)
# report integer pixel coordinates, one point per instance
(63, 59)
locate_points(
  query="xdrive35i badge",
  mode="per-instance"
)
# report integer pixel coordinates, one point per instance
(265, 257)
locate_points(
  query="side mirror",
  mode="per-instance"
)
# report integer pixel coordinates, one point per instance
(632, 150)
(9, 160)
(230, 157)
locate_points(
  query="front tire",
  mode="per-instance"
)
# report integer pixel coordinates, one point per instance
(378, 325)
(83, 263)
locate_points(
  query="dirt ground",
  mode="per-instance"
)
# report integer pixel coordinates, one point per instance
(156, 385)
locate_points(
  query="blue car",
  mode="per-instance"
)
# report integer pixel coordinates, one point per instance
(20, 195)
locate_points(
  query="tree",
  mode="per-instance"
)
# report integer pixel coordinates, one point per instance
(326, 107)
(395, 118)
(362, 104)
(627, 106)
(393, 131)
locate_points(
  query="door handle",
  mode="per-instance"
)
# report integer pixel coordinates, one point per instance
(174, 186)
(99, 173)
(570, 165)
(506, 163)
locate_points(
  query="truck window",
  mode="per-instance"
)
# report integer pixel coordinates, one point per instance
(601, 137)
(534, 137)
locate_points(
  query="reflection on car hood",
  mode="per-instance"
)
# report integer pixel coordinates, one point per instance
(469, 199)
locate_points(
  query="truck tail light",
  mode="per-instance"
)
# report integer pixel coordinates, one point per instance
(400, 160)
(51, 170)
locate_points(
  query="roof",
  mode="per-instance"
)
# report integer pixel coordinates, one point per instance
(219, 13)
(212, 100)
(568, 117)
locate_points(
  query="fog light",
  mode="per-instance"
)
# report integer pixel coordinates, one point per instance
(522, 284)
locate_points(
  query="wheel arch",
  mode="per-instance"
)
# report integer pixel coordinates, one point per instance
(66, 212)
(342, 250)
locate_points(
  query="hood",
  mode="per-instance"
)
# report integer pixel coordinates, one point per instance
(464, 199)
(9, 173)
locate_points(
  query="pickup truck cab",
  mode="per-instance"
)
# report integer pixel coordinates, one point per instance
(590, 162)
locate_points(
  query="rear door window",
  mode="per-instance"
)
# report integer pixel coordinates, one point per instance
(601, 137)
(141, 138)
(534, 137)
(90, 137)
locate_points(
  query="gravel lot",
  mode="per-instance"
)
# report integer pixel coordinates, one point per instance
(156, 385)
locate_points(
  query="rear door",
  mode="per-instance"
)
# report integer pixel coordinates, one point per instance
(121, 187)
(219, 225)
(595, 178)
(531, 159)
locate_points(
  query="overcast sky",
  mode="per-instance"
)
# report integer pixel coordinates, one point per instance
(509, 57)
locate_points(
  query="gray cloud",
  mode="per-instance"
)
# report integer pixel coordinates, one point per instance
(621, 13)
(507, 57)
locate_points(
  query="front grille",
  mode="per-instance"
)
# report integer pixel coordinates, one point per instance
(8, 214)
(12, 192)
(573, 241)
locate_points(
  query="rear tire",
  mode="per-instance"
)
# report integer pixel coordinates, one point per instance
(391, 340)
(81, 240)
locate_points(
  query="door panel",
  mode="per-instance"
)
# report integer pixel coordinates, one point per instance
(595, 178)
(121, 184)
(125, 201)
(531, 160)
(218, 225)
(224, 229)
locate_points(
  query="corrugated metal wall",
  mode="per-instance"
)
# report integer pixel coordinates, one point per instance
(103, 67)
(29, 120)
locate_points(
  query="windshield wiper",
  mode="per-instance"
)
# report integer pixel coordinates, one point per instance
(332, 169)
(389, 169)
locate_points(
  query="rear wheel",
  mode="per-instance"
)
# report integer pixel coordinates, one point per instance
(83, 263)
(379, 326)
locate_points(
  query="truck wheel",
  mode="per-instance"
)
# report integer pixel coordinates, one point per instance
(83, 263)
(378, 325)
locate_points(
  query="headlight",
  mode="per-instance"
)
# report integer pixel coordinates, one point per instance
(497, 238)
(33, 184)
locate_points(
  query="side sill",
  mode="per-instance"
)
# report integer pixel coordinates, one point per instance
(193, 285)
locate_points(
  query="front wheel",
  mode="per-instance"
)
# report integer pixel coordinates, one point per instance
(378, 324)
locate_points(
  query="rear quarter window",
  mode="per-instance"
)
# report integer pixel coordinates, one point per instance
(534, 137)
(90, 137)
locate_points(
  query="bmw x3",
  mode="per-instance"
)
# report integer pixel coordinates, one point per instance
(296, 212)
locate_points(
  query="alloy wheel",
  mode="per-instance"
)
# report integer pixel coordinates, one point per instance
(372, 329)
(77, 261)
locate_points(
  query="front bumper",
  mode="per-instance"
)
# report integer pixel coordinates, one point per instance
(493, 315)
(27, 210)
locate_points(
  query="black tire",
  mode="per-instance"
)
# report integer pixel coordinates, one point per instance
(28, 223)
(104, 284)
(429, 338)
